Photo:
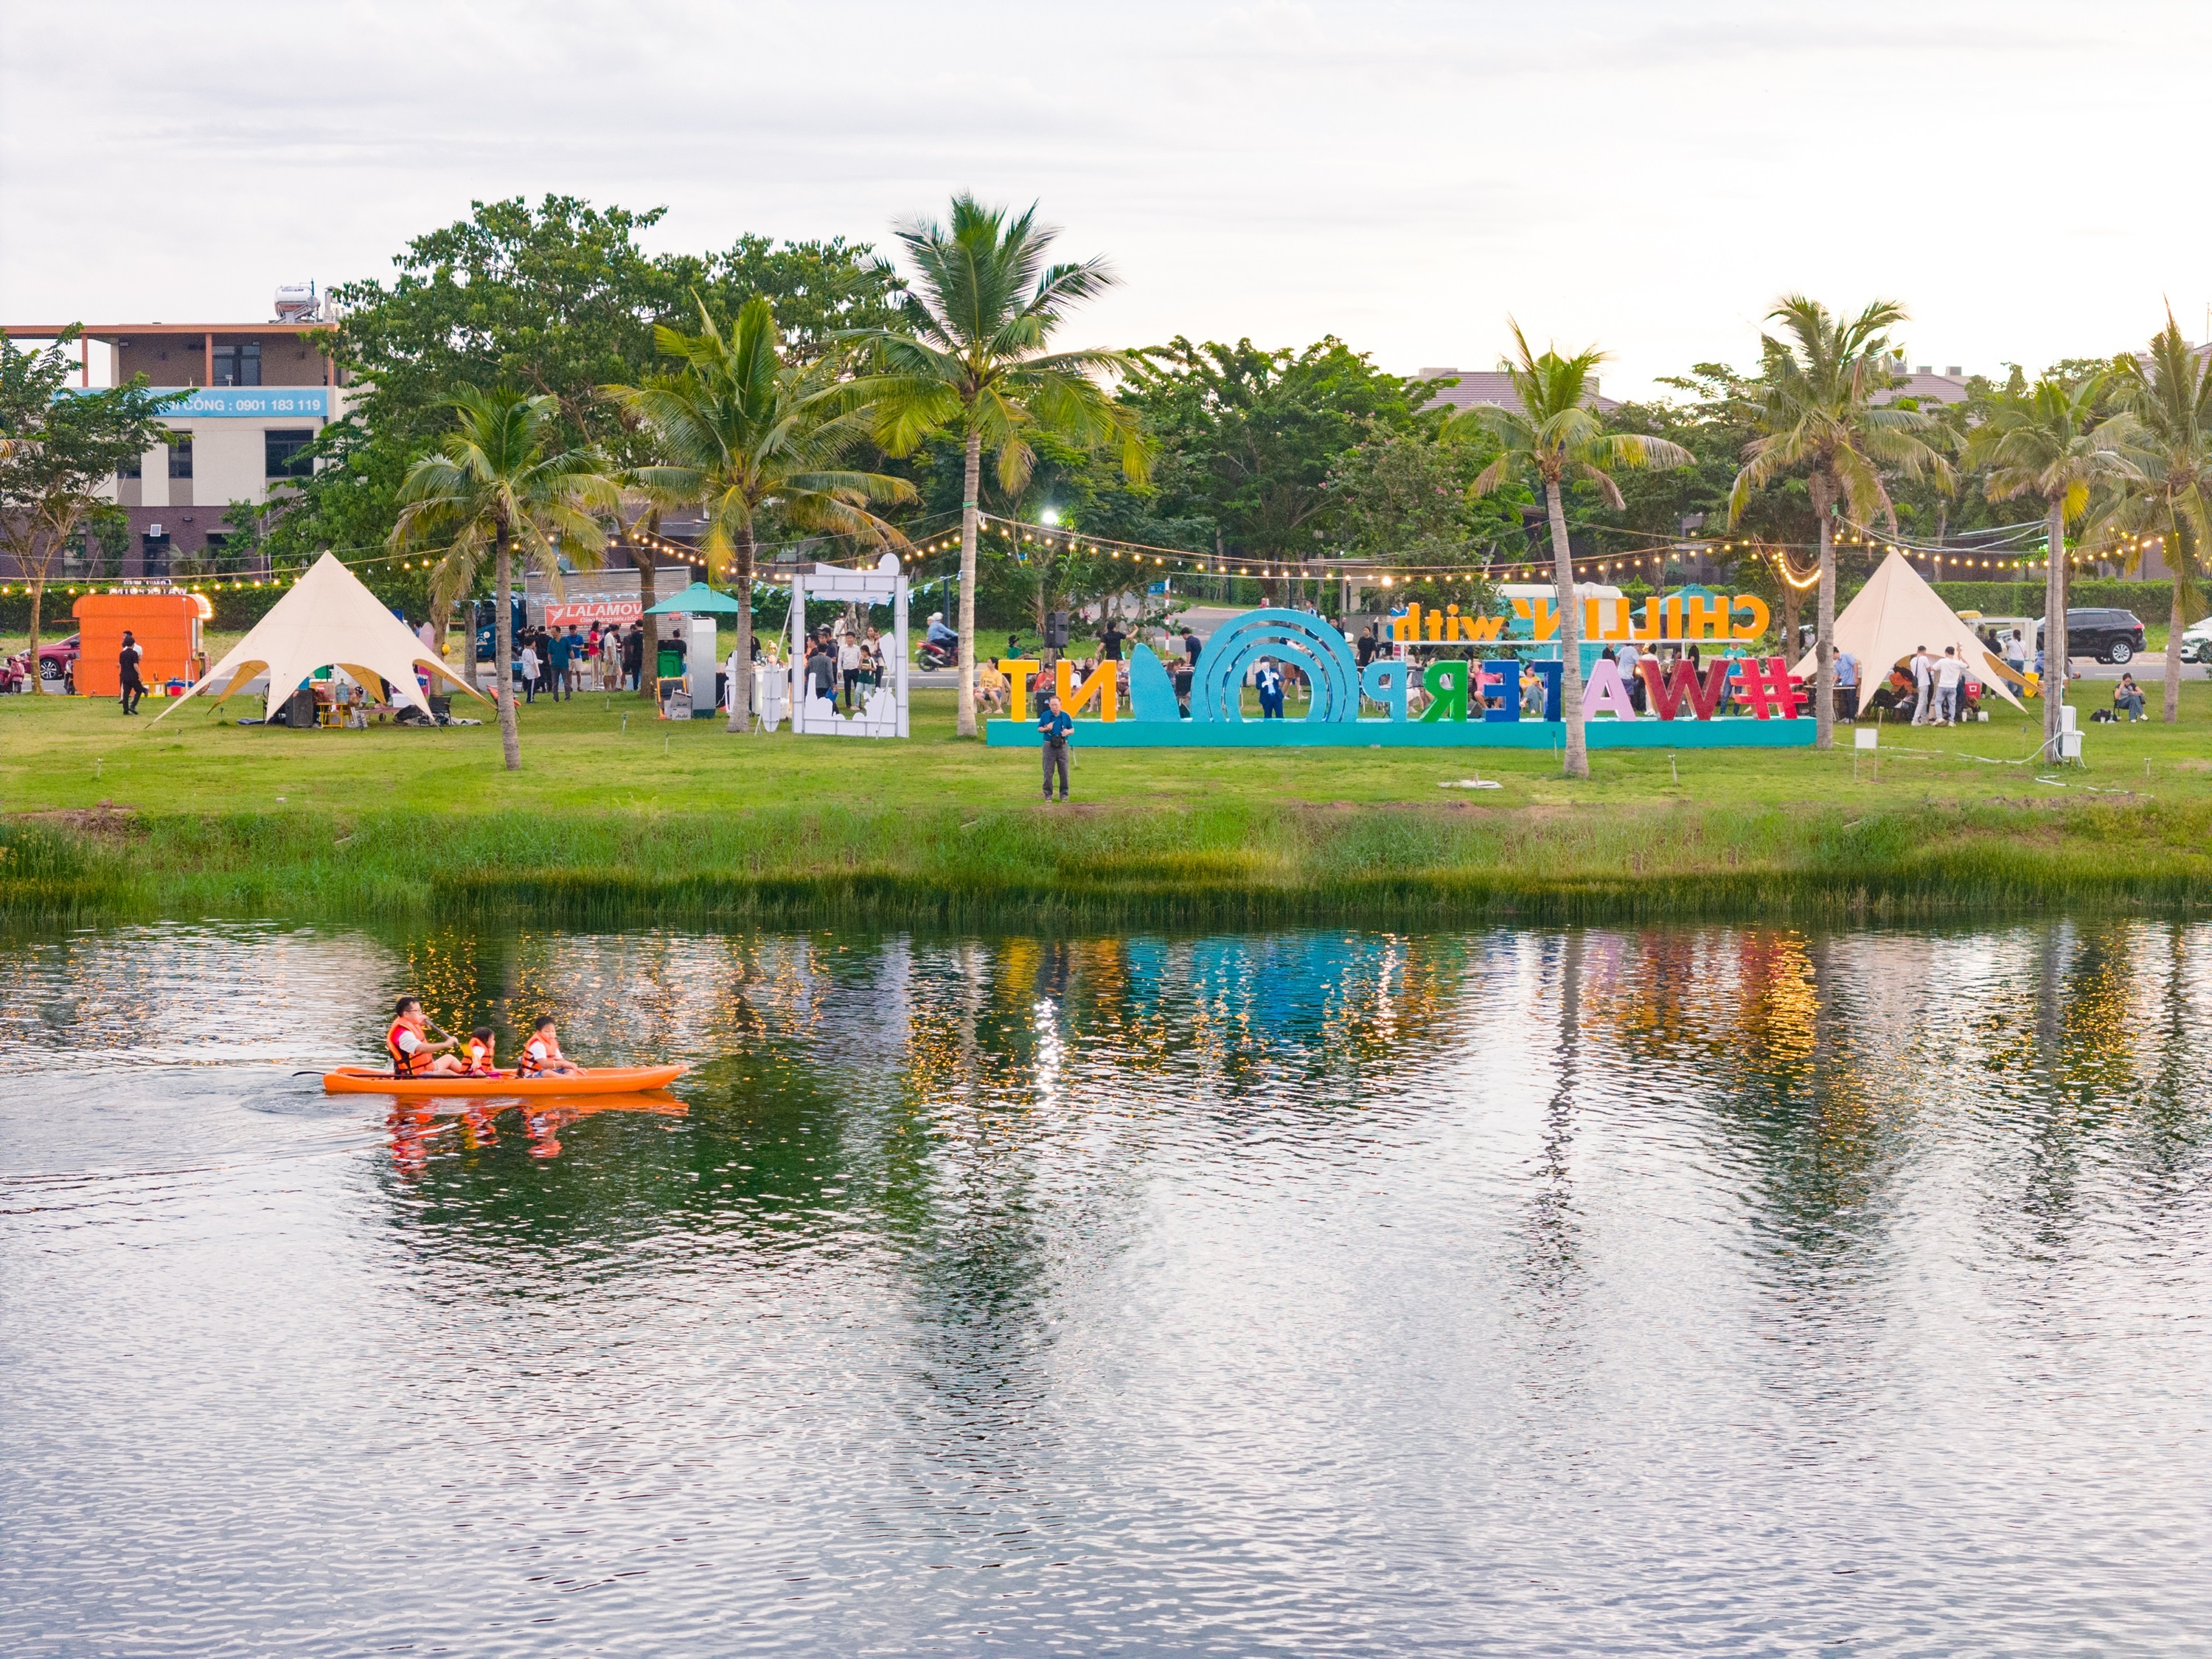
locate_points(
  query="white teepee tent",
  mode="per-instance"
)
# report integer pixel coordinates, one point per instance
(1895, 614)
(329, 620)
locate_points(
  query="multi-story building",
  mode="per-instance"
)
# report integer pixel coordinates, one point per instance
(259, 394)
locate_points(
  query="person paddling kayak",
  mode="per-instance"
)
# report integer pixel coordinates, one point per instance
(542, 1056)
(408, 1042)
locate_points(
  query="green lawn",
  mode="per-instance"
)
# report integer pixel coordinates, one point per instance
(617, 813)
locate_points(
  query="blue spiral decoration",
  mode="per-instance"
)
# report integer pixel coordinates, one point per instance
(1217, 683)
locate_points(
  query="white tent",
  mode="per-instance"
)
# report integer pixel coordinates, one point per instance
(1895, 614)
(328, 620)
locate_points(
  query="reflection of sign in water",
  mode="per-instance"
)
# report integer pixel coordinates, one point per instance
(1468, 703)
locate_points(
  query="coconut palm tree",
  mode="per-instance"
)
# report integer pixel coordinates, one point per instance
(2048, 442)
(498, 486)
(1555, 435)
(968, 356)
(2166, 396)
(742, 431)
(1814, 409)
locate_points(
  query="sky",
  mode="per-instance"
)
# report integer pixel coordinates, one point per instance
(1647, 176)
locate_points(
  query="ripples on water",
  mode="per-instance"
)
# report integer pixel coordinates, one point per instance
(1664, 1292)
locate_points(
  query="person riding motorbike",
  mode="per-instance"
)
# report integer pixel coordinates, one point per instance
(940, 646)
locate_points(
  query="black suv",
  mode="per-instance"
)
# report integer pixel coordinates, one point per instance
(2107, 635)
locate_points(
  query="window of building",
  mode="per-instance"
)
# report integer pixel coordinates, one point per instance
(288, 453)
(180, 459)
(133, 469)
(238, 365)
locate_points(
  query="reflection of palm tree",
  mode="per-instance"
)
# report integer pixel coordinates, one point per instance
(1551, 1253)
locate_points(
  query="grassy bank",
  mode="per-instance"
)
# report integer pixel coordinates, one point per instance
(615, 821)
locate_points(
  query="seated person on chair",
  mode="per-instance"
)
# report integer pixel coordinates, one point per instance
(542, 1056)
(408, 1041)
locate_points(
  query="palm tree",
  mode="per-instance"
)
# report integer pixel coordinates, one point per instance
(742, 431)
(1815, 409)
(1555, 435)
(968, 355)
(2048, 442)
(2166, 397)
(497, 485)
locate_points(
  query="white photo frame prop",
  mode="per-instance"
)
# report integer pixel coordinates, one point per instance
(885, 713)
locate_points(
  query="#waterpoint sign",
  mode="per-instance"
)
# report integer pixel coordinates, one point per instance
(1469, 703)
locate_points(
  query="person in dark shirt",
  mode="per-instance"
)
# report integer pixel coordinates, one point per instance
(126, 664)
(1054, 726)
(1183, 673)
(1191, 647)
(1367, 646)
(1109, 642)
(1269, 680)
(633, 654)
(556, 657)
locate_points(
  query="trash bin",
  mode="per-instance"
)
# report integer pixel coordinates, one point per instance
(671, 660)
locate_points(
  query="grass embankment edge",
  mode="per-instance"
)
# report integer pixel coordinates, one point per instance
(1096, 869)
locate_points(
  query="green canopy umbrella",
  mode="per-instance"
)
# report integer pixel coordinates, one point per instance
(696, 600)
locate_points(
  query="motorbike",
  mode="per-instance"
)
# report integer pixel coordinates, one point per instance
(939, 653)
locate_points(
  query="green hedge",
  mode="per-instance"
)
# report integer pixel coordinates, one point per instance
(2149, 600)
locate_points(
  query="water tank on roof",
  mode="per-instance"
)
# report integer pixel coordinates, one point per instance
(295, 303)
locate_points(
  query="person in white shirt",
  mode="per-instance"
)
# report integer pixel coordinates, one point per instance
(530, 673)
(849, 669)
(1923, 683)
(1950, 676)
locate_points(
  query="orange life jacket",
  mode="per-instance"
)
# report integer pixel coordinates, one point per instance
(480, 1056)
(528, 1064)
(403, 1064)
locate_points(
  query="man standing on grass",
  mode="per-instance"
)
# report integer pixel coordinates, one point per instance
(126, 669)
(1269, 679)
(1109, 642)
(1055, 728)
(1950, 675)
(1923, 683)
(1847, 686)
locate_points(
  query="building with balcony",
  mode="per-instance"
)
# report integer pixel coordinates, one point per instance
(259, 394)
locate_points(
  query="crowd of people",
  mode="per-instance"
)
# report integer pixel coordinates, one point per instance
(845, 662)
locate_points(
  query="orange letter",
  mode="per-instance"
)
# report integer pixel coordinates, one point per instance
(1704, 618)
(1757, 606)
(1017, 674)
(1099, 685)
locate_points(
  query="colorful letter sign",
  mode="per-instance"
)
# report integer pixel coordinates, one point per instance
(1467, 703)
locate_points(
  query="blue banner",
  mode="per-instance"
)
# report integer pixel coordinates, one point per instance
(247, 402)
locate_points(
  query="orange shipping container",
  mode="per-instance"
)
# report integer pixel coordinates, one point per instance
(167, 626)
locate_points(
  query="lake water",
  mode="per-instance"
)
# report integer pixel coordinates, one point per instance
(1711, 1291)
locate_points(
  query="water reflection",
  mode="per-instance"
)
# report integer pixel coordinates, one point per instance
(1691, 1290)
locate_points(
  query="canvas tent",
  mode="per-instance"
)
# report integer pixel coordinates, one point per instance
(1895, 613)
(328, 620)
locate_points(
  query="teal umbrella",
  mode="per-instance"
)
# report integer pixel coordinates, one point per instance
(696, 600)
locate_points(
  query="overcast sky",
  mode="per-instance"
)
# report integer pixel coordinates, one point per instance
(2025, 176)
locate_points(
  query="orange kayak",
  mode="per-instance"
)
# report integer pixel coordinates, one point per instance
(601, 1080)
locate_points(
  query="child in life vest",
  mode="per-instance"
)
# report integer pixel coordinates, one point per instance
(542, 1056)
(478, 1052)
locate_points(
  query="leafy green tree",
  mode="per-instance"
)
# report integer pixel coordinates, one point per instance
(497, 485)
(1403, 498)
(968, 355)
(2047, 443)
(2165, 399)
(741, 432)
(1248, 437)
(59, 449)
(1814, 410)
(558, 299)
(1554, 435)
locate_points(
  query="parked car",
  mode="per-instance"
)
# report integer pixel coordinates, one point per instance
(2107, 635)
(54, 659)
(2197, 641)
